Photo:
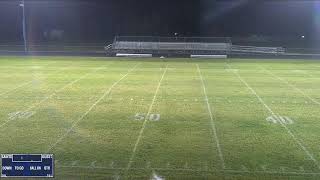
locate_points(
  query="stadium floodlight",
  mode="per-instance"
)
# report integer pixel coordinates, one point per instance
(22, 5)
(176, 35)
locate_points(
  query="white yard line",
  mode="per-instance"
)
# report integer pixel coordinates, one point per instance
(11, 90)
(298, 141)
(53, 94)
(212, 119)
(145, 122)
(75, 123)
(26, 83)
(306, 73)
(291, 85)
(194, 170)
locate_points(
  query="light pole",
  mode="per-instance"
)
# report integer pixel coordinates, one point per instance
(22, 5)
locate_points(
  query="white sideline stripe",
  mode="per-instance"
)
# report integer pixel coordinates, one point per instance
(298, 141)
(196, 170)
(212, 119)
(145, 122)
(53, 94)
(75, 123)
(291, 85)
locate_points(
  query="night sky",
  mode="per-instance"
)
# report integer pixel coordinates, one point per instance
(101, 20)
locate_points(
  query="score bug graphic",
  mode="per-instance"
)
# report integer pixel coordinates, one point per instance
(27, 165)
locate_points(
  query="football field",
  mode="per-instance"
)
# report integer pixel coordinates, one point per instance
(111, 118)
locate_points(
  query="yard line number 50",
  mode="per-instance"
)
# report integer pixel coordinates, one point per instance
(144, 116)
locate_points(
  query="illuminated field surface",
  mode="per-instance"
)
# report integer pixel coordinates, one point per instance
(107, 118)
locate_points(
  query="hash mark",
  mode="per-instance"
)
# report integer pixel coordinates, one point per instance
(168, 165)
(148, 165)
(74, 163)
(186, 165)
(111, 164)
(93, 164)
(244, 168)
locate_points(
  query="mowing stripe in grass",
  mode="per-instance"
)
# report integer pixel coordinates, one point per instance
(75, 123)
(298, 141)
(53, 94)
(212, 119)
(26, 83)
(302, 72)
(195, 170)
(310, 75)
(12, 90)
(291, 85)
(145, 122)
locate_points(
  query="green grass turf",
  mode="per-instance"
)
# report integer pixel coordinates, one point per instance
(84, 113)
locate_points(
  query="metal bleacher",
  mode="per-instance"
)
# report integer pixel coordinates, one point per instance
(190, 46)
(171, 45)
(257, 50)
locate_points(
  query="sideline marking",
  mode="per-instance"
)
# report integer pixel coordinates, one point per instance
(144, 123)
(53, 94)
(291, 85)
(298, 141)
(212, 119)
(75, 123)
